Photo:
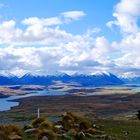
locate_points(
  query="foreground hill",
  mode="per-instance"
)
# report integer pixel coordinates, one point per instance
(71, 126)
(98, 79)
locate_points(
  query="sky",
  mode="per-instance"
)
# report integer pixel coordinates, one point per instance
(71, 36)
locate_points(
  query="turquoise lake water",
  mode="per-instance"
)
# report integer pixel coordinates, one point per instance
(6, 103)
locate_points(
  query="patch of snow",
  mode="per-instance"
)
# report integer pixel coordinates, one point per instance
(129, 75)
(6, 74)
(100, 73)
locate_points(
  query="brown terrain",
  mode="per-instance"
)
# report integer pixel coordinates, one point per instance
(99, 106)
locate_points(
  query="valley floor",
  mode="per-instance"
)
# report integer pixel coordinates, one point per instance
(98, 106)
(114, 113)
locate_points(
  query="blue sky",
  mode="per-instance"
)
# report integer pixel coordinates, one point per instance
(70, 36)
(98, 12)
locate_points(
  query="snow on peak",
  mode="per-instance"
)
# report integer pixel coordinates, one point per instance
(6, 74)
(56, 73)
(100, 73)
(128, 75)
(29, 74)
(77, 74)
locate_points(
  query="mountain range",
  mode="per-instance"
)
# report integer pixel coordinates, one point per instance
(132, 80)
(94, 79)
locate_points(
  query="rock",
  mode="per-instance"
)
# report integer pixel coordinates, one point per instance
(31, 131)
(64, 114)
(103, 137)
(95, 126)
(58, 126)
(60, 129)
(126, 133)
(89, 135)
(66, 137)
(81, 135)
(28, 127)
(76, 125)
(14, 136)
(45, 138)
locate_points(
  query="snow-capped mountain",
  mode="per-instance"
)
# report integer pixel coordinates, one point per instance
(131, 80)
(6, 74)
(8, 79)
(97, 79)
(94, 79)
(100, 73)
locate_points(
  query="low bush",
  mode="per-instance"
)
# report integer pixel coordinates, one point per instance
(45, 125)
(48, 133)
(11, 128)
(37, 122)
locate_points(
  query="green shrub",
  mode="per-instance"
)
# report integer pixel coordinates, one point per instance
(27, 127)
(84, 125)
(37, 122)
(46, 125)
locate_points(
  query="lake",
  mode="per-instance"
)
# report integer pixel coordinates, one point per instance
(6, 103)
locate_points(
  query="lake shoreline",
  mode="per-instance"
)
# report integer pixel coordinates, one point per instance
(98, 101)
(104, 106)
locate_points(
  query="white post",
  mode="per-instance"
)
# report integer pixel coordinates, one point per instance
(38, 113)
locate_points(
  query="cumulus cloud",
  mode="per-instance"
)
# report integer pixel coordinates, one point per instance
(79, 54)
(42, 46)
(130, 48)
(38, 31)
(72, 15)
(61, 19)
(33, 35)
(127, 14)
(42, 21)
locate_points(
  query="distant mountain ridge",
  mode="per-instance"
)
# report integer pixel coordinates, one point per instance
(94, 79)
(132, 80)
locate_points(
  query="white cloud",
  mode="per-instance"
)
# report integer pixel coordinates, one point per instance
(9, 33)
(38, 31)
(129, 75)
(73, 15)
(79, 53)
(33, 35)
(61, 19)
(43, 47)
(42, 21)
(127, 13)
(52, 48)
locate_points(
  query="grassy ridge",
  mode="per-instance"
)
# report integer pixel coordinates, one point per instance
(72, 126)
(121, 129)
